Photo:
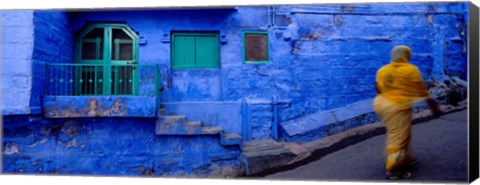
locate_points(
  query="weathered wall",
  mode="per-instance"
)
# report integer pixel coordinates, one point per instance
(53, 43)
(199, 84)
(100, 146)
(232, 82)
(29, 39)
(17, 42)
(111, 146)
(336, 57)
(325, 58)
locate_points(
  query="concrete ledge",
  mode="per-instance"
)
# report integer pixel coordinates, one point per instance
(334, 121)
(20, 110)
(99, 106)
(265, 154)
(231, 139)
(329, 122)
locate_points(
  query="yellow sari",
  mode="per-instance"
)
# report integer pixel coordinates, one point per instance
(399, 84)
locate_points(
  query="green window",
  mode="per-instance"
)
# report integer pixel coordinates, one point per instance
(255, 47)
(195, 50)
(106, 56)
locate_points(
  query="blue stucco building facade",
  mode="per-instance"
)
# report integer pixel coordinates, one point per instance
(318, 80)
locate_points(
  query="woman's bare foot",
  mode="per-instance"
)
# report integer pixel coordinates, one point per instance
(398, 175)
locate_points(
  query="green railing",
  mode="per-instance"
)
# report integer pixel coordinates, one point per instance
(102, 80)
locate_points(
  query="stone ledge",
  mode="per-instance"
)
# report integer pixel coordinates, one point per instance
(231, 139)
(18, 110)
(302, 127)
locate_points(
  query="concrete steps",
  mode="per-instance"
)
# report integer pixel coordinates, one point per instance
(261, 155)
(231, 139)
(179, 125)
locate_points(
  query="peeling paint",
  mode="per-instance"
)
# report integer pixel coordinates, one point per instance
(100, 106)
(92, 108)
(72, 143)
(430, 19)
(70, 128)
(10, 148)
(117, 105)
(338, 20)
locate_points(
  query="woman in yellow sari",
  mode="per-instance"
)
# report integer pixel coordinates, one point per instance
(399, 84)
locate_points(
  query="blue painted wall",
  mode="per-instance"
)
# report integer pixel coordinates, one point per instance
(53, 43)
(111, 146)
(17, 32)
(201, 85)
(29, 39)
(326, 57)
(336, 58)
(321, 58)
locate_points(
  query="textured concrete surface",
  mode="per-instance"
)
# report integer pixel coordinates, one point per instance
(53, 43)
(265, 154)
(17, 48)
(111, 146)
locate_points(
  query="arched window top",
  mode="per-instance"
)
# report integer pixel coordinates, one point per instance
(103, 42)
(86, 29)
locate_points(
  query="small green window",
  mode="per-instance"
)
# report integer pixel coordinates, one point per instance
(191, 50)
(255, 47)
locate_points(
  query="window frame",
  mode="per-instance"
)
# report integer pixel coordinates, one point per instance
(106, 56)
(215, 64)
(244, 54)
(106, 61)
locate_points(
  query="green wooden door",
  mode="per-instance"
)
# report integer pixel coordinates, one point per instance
(108, 54)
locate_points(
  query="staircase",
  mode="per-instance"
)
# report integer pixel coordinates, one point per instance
(179, 125)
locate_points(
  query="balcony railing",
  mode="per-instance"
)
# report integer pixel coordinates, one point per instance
(102, 80)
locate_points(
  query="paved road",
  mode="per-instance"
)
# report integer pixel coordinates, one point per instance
(440, 145)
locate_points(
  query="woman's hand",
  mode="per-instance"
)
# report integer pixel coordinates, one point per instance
(436, 111)
(376, 88)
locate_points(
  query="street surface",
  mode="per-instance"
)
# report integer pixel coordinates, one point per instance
(440, 145)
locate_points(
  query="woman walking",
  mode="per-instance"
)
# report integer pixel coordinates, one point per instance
(399, 84)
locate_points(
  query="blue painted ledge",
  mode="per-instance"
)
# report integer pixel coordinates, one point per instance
(321, 124)
(99, 106)
(324, 123)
